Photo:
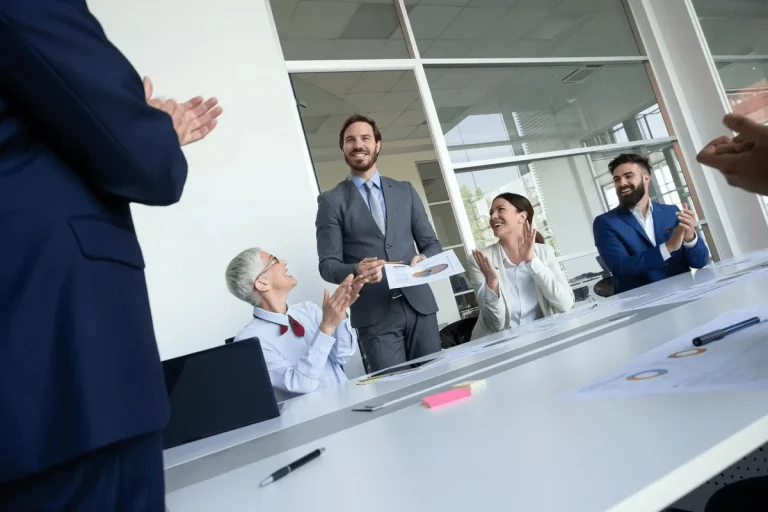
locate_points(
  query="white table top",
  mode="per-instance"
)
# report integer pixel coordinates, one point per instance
(515, 442)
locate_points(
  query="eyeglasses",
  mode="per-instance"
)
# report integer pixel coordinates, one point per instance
(272, 262)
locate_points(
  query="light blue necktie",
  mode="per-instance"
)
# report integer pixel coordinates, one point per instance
(376, 210)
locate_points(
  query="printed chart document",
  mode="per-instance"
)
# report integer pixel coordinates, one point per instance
(738, 361)
(441, 266)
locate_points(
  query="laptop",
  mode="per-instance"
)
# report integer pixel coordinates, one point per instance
(217, 390)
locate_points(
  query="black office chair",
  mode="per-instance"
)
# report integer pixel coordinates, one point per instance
(604, 287)
(457, 333)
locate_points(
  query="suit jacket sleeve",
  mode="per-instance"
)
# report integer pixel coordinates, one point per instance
(79, 93)
(617, 258)
(423, 234)
(549, 278)
(330, 243)
(494, 312)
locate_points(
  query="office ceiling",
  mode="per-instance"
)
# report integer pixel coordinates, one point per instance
(343, 29)
(546, 106)
(363, 29)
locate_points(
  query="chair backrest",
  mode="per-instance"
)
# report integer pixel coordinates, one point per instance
(458, 332)
(602, 264)
(217, 390)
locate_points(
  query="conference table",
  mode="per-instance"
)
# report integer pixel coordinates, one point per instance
(521, 443)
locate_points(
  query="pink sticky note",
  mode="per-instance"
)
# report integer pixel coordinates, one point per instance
(446, 397)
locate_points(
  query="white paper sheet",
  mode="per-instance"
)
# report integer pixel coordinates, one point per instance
(738, 361)
(441, 266)
(753, 257)
(703, 290)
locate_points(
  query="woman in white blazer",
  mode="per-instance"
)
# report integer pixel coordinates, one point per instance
(517, 280)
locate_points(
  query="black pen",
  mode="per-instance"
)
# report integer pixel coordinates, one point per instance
(280, 473)
(722, 333)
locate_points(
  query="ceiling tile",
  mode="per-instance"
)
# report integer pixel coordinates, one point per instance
(429, 21)
(312, 124)
(372, 21)
(306, 49)
(440, 97)
(397, 100)
(449, 49)
(304, 22)
(397, 133)
(377, 81)
(384, 119)
(466, 97)
(333, 124)
(472, 24)
(438, 2)
(365, 102)
(407, 82)
(421, 132)
(336, 83)
(357, 48)
(454, 78)
(410, 118)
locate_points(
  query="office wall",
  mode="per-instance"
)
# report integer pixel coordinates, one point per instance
(401, 166)
(249, 184)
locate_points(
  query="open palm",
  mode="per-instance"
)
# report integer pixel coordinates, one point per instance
(199, 118)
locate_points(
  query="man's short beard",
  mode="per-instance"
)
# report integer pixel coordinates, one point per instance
(633, 198)
(358, 168)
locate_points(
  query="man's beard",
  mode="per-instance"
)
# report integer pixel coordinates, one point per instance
(634, 197)
(361, 168)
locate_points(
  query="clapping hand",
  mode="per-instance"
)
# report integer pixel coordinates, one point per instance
(486, 267)
(527, 242)
(193, 120)
(335, 306)
(743, 159)
(688, 221)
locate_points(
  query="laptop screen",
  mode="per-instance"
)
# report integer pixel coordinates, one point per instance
(217, 390)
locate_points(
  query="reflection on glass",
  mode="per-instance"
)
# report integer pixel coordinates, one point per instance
(734, 27)
(349, 29)
(389, 97)
(522, 28)
(668, 185)
(488, 113)
(746, 84)
(479, 188)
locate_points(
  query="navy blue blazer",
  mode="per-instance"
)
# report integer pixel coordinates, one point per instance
(629, 254)
(79, 366)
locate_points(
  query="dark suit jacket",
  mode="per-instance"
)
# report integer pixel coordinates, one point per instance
(79, 366)
(347, 234)
(629, 254)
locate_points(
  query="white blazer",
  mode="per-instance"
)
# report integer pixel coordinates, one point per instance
(552, 288)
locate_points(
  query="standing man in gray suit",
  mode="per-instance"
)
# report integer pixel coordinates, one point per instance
(363, 222)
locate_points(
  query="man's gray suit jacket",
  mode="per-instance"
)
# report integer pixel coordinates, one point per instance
(347, 234)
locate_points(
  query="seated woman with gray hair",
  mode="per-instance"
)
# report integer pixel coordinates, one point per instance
(304, 345)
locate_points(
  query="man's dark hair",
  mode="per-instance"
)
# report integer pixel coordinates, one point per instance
(630, 158)
(359, 118)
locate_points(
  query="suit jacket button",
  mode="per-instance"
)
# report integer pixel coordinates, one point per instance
(389, 246)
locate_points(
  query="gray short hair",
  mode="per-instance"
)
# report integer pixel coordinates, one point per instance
(241, 274)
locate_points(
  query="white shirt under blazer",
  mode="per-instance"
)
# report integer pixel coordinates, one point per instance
(551, 288)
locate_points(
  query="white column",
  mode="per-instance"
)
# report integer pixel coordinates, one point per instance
(691, 89)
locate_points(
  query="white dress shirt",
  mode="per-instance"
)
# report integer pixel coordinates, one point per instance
(299, 365)
(524, 304)
(646, 221)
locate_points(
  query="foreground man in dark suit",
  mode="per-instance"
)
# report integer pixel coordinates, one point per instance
(364, 221)
(82, 396)
(743, 160)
